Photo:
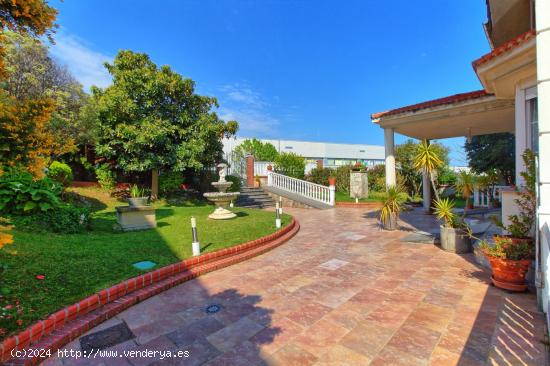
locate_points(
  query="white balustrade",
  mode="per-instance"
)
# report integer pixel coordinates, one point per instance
(260, 168)
(303, 188)
(482, 198)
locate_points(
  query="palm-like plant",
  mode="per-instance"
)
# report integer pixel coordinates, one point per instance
(465, 185)
(393, 204)
(428, 160)
(443, 209)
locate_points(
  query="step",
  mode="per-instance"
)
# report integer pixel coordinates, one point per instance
(298, 198)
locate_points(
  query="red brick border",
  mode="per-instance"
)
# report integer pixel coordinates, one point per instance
(69, 323)
(360, 204)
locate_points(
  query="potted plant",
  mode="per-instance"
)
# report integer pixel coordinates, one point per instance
(392, 206)
(257, 181)
(137, 196)
(454, 236)
(465, 186)
(521, 225)
(332, 181)
(509, 262)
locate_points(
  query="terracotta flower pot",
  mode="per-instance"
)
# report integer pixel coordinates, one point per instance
(509, 274)
(331, 181)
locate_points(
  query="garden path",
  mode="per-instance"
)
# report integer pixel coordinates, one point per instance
(341, 292)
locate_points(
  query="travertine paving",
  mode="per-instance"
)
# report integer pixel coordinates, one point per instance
(342, 292)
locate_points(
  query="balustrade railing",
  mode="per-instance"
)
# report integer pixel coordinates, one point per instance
(482, 197)
(303, 188)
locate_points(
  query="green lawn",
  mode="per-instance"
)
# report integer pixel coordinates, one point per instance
(77, 265)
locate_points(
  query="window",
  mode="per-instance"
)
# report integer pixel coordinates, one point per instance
(532, 120)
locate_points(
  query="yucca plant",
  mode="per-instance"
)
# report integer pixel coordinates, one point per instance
(428, 160)
(393, 204)
(465, 185)
(136, 192)
(443, 209)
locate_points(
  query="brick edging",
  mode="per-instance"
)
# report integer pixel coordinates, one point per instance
(360, 204)
(69, 323)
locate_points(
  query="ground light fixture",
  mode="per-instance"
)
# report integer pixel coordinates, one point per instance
(195, 244)
(280, 205)
(277, 216)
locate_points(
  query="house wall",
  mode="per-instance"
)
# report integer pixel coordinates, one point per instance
(543, 89)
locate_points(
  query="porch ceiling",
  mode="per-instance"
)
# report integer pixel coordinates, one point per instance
(483, 114)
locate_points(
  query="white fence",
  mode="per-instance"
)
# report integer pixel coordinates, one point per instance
(303, 188)
(482, 196)
(260, 167)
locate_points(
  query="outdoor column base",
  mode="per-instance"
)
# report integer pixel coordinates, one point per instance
(221, 214)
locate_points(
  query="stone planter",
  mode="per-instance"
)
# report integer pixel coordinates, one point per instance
(131, 218)
(455, 240)
(138, 201)
(391, 224)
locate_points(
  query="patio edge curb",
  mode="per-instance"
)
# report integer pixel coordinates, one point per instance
(360, 204)
(74, 320)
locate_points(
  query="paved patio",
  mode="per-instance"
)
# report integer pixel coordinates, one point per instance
(341, 292)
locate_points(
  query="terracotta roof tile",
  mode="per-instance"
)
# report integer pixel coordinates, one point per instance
(433, 103)
(505, 47)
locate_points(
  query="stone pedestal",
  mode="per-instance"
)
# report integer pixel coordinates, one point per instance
(358, 184)
(136, 218)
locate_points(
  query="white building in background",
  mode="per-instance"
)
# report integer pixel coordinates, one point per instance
(332, 155)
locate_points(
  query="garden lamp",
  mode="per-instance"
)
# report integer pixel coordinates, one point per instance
(195, 244)
(277, 216)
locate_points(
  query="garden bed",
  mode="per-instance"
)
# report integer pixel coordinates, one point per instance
(47, 271)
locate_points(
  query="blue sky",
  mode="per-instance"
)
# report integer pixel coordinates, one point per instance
(312, 70)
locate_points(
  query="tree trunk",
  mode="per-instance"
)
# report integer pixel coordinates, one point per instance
(434, 187)
(154, 184)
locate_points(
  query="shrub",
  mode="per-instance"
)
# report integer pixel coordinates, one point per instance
(105, 177)
(170, 182)
(61, 173)
(290, 164)
(377, 178)
(63, 219)
(320, 175)
(342, 178)
(20, 193)
(236, 186)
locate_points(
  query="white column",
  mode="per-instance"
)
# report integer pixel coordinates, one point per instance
(543, 95)
(390, 157)
(521, 135)
(426, 190)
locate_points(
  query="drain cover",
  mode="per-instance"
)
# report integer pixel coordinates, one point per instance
(144, 265)
(106, 338)
(212, 309)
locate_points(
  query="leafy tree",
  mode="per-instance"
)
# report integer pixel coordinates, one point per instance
(33, 17)
(290, 164)
(33, 75)
(495, 151)
(262, 151)
(25, 139)
(150, 118)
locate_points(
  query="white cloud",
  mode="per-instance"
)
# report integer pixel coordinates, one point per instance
(248, 107)
(84, 63)
(243, 94)
(251, 122)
